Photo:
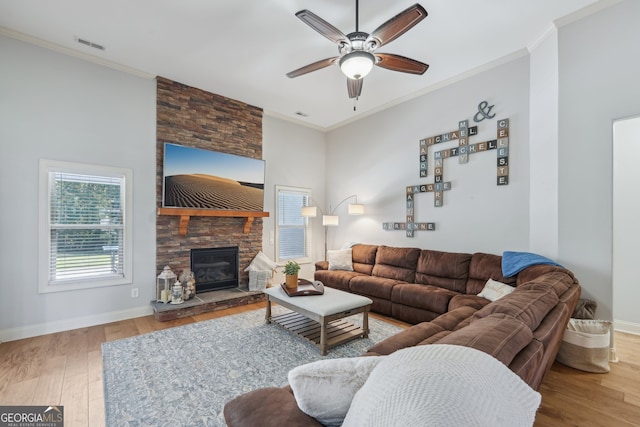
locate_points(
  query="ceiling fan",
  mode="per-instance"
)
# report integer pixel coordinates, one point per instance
(358, 49)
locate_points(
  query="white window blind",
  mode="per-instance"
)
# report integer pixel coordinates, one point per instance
(293, 234)
(85, 227)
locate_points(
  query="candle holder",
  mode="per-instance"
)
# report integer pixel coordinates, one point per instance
(164, 285)
(176, 293)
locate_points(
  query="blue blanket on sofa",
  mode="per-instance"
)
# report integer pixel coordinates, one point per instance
(515, 262)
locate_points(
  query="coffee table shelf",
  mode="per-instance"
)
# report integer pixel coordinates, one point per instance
(338, 332)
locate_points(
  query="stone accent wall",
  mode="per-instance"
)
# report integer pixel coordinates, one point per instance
(196, 118)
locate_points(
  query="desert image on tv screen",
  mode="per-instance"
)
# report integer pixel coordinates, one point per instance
(204, 179)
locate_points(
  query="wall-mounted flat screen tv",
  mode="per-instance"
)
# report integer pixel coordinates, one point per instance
(205, 179)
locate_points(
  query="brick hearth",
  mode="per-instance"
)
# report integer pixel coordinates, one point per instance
(206, 302)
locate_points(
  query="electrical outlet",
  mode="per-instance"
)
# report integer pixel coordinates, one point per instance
(271, 237)
(134, 293)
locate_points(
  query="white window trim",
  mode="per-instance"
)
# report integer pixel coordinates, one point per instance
(302, 260)
(44, 246)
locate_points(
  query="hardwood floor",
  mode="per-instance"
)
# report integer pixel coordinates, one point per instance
(66, 369)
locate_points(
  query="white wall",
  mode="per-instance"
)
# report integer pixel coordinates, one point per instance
(626, 227)
(57, 107)
(599, 67)
(377, 157)
(295, 157)
(543, 147)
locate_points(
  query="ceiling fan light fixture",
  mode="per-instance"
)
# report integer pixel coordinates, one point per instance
(357, 64)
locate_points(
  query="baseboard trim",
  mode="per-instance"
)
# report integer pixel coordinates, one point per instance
(626, 327)
(73, 323)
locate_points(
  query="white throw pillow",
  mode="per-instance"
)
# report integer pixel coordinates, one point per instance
(494, 290)
(324, 389)
(442, 385)
(341, 259)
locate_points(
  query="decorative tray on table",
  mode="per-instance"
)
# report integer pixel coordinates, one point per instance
(305, 287)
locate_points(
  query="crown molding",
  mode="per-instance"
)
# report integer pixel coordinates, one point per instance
(74, 53)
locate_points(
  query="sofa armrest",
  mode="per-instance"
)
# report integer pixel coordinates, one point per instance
(322, 265)
(267, 407)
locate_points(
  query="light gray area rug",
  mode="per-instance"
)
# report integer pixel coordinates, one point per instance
(184, 376)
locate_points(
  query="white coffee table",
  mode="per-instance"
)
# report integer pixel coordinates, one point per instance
(320, 318)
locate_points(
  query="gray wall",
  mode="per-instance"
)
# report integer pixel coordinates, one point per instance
(599, 67)
(543, 147)
(626, 228)
(57, 107)
(377, 157)
(295, 157)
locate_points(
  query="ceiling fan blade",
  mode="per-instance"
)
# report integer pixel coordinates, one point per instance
(354, 87)
(398, 25)
(400, 63)
(312, 67)
(322, 26)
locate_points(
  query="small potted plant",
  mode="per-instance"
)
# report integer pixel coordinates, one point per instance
(291, 270)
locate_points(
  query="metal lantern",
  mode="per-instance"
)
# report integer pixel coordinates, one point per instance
(164, 285)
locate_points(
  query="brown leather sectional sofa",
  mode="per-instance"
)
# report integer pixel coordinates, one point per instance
(437, 293)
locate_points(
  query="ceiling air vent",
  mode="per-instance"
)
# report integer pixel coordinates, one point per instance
(90, 44)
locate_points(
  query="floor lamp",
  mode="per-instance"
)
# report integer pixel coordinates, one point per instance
(331, 219)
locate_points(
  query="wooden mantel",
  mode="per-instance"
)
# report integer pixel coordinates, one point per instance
(186, 214)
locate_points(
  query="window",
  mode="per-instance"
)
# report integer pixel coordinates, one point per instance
(85, 217)
(293, 234)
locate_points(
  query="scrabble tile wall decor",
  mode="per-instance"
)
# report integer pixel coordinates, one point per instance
(464, 149)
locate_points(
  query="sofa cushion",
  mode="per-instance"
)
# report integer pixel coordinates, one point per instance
(364, 257)
(412, 315)
(324, 389)
(371, 285)
(336, 278)
(499, 335)
(407, 338)
(249, 409)
(340, 259)
(527, 364)
(451, 319)
(426, 297)
(529, 305)
(551, 329)
(447, 270)
(463, 300)
(483, 267)
(535, 271)
(396, 263)
(559, 281)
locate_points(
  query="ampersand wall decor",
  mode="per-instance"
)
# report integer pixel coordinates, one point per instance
(484, 112)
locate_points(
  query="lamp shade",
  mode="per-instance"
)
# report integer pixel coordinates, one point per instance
(357, 64)
(356, 209)
(330, 220)
(309, 211)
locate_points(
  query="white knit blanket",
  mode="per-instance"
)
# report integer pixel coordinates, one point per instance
(442, 385)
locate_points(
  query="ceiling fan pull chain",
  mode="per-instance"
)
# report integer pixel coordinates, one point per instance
(357, 14)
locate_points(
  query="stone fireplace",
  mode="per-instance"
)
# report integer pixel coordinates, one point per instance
(215, 268)
(196, 118)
